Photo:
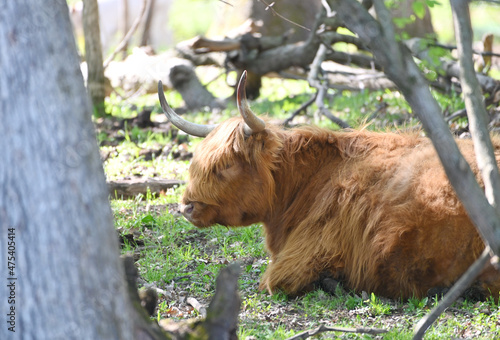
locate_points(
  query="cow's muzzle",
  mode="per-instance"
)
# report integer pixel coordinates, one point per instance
(187, 210)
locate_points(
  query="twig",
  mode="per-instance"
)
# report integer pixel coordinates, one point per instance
(300, 109)
(455, 115)
(323, 328)
(227, 3)
(451, 47)
(326, 6)
(313, 79)
(324, 111)
(215, 78)
(458, 288)
(129, 34)
(271, 5)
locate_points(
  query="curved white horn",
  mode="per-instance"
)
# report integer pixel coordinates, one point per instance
(198, 130)
(253, 123)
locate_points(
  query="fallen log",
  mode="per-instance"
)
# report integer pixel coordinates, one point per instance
(130, 188)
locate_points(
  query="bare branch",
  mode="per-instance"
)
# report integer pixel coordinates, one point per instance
(476, 112)
(458, 288)
(300, 109)
(198, 306)
(323, 328)
(450, 47)
(322, 88)
(129, 34)
(227, 3)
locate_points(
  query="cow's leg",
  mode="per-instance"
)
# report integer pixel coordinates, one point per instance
(295, 268)
(290, 278)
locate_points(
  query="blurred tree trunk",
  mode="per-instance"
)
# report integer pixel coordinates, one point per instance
(146, 35)
(125, 26)
(54, 200)
(420, 28)
(93, 56)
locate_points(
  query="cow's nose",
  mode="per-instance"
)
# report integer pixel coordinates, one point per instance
(187, 209)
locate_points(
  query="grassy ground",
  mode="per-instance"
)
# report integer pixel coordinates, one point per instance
(183, 261)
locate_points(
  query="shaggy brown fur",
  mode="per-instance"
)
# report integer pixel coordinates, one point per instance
(374, 210)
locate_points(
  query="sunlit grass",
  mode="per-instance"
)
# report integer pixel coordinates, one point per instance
(177, 254)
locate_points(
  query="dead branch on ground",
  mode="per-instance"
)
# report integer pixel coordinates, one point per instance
(323, 328)
(262, 55)
(132, 187)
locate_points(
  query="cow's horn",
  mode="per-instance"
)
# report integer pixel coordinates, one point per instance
(253, 123)
(198, 130)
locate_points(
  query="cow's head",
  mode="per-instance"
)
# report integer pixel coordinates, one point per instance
(231, 175)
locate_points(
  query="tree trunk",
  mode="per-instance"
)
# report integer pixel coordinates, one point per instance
(93, 56)
(65, 279)
(146, 34)
(421, 28)
(125, 27)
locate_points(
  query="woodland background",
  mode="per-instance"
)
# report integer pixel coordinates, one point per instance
(53, 186)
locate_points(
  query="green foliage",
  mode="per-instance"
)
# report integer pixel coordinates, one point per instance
(416, 305)
(432, 3)
(419, 9)
(190, 18)
(401, 22)
(353, 301)
(377, 307)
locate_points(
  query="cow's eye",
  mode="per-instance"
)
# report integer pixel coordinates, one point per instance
(228, 171)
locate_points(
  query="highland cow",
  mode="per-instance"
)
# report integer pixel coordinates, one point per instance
(372, 210)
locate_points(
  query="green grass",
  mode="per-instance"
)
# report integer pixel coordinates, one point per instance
(178, 255)
(184, 261)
